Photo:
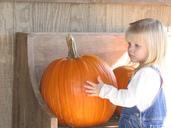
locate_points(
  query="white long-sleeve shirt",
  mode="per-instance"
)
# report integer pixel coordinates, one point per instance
(140, 92)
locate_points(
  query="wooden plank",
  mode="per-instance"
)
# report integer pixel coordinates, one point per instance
(136, 13)
(97, 18)
(6, 64)
(61, 18)
(145, 11)
(23, 17)
(79, 18)
(65, 17)
(159, 2)
(30, 110)
(48, 17)
(114, 18)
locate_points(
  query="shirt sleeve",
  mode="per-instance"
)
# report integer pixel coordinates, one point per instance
(148, 87)
(121, 97)
(141, 90)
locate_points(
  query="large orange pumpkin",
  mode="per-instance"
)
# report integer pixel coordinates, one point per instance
(123, 75)
(62, 89)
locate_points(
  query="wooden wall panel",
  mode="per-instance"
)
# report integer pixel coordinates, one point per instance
(6, 64)
(132, 13)
(155, 2)
(55, 17)
(97, 18)
(114, 18)
(79, 18)
(48, 17)
(23, 20)
(58, 16)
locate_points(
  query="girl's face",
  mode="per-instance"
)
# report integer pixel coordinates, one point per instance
(137, 52)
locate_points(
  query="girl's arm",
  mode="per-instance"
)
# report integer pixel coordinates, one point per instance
(111, 93)
(141, 90)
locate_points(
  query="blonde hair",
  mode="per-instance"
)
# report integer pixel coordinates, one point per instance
(153, 33)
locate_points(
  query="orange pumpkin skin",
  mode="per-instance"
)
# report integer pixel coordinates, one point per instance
(123, 74)
(62, 89)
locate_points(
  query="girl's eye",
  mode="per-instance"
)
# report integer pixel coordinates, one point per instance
(137, 45)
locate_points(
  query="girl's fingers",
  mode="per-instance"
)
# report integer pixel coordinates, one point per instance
(88, 87)
(93, 89)
(91, 83)
(90, 91)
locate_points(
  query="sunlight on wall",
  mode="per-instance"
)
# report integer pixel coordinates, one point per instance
(124, 60)
(167, 86)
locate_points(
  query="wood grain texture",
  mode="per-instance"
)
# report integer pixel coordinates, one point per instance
(6, 64)
(156, 2)
(79, 18)
(23, 17)
(97, 18)
(29, 108)
(53, 17)
(114, 18)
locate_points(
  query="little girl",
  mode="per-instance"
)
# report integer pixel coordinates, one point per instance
(143, 100)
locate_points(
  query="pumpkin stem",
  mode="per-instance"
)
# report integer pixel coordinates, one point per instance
(72, 49)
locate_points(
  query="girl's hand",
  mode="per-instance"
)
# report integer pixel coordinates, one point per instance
(93, 89)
